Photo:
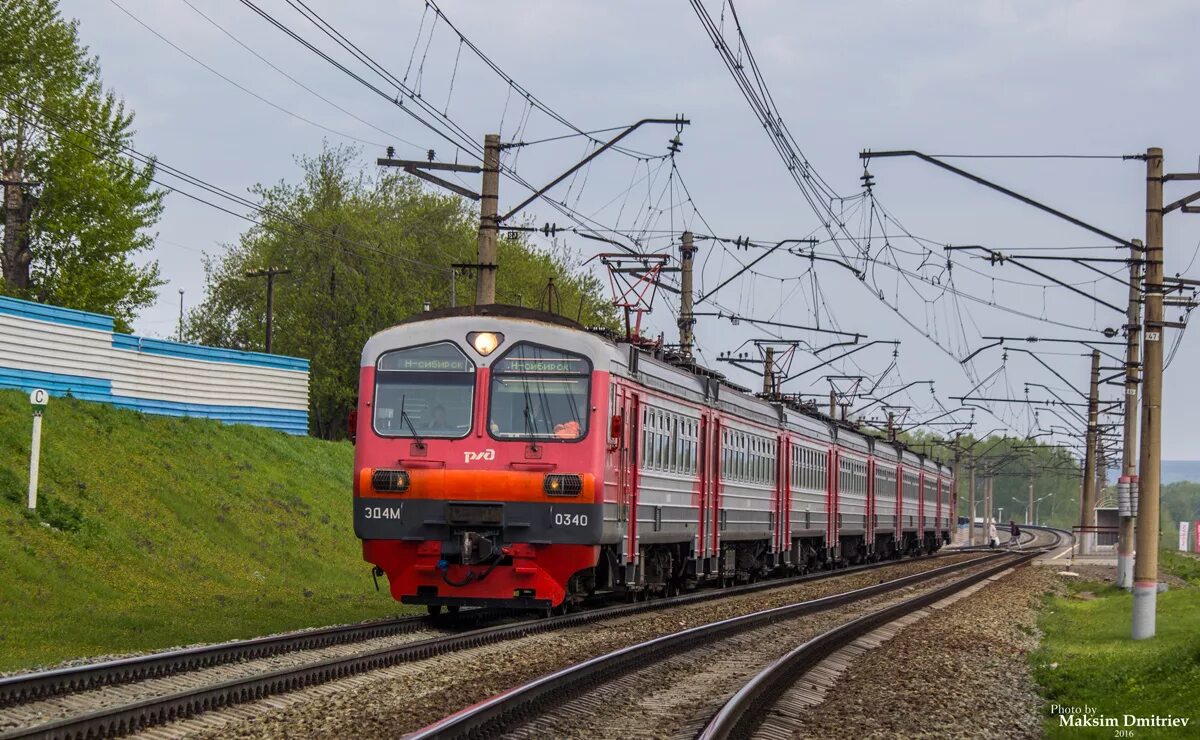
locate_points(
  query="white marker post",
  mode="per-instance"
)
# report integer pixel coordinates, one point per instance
(38, 399)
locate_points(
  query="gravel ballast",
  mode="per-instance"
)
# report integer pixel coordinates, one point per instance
(959, 673)
(405, 697)
(674, 698)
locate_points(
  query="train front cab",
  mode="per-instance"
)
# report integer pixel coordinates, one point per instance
(478, 461)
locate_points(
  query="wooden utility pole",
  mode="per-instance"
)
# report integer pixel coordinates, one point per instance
(1087, 501)
(1127, 484)
(1145, 568)
(269, 273)
(489, 197)
(687, 318)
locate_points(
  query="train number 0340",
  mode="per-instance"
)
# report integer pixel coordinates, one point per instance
(570, 520)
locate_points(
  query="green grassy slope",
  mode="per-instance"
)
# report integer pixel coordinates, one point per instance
(153, 532)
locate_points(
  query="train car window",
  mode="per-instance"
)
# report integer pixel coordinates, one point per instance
(655, 442)
(675, 440)
(647, 436)
(743, 463)
(664, 439)
(735, 459)
(424, 391)
(652, 436)
(539, 393)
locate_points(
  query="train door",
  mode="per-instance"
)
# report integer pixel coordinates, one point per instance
(705, 476)
(831, 503)
(714, 491)
(937, 522)
(628, 475)
(921, 508)
(783, 508)
(872, 516)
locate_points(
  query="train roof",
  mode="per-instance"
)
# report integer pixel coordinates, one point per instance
(498, 310)
(654, 367)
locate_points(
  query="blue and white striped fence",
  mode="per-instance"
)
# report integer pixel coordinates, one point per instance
(75, 352)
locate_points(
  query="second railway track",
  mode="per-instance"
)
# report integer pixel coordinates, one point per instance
(771, 702)
(661, 687)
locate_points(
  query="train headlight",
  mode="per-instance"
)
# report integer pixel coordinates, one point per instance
(485, 342)
(389, 481)
(562, 485)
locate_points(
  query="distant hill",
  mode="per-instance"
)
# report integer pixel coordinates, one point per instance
(1174, 471)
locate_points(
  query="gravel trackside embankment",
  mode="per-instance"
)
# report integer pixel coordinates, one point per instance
(961, 672)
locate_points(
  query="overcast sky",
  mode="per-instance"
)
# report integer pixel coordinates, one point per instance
(1099, 77)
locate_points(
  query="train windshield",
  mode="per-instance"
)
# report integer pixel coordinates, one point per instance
(424, 392)
(539, 393)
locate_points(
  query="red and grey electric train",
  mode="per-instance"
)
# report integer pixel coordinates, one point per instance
(509, 457)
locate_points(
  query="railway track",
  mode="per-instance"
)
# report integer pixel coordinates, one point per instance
(27, 687)
(125, 696)
(769, 704)
(655, 687)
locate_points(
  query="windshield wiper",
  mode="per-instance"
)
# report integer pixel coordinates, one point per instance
(404, 418)
(530, 427)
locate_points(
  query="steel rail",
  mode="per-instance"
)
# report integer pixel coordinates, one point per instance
(490, 717)
(26, 687)
(128, 718)
(746, 710)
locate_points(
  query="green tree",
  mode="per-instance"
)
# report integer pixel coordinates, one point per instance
(365, 250)
(76, 207)
(1013, 461)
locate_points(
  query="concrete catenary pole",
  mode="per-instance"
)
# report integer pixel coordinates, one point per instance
(971, 496)
(687, 319)
(1029, 508)
(953, 503)
(1087, 502)
(1145, 567)
(1127, 486)
(489, 197)
(987, 505)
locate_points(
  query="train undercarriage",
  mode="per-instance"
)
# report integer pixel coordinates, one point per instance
(670, 568)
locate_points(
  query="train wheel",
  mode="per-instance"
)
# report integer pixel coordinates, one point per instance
(435, 610)
(453, 609)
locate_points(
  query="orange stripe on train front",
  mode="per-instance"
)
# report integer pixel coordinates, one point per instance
(479, 485)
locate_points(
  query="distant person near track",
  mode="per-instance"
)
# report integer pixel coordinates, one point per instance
(1014, 533)
(992, 539)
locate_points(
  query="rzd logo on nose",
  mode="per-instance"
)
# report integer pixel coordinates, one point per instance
(488, 454)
